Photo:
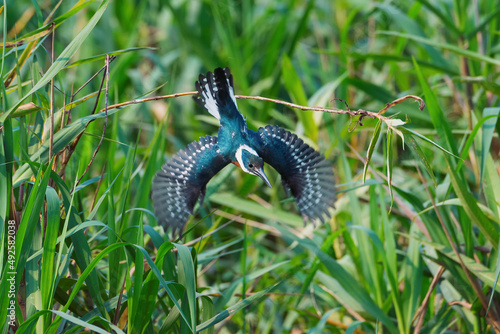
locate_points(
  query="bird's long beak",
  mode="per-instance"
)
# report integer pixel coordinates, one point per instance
(260, 173)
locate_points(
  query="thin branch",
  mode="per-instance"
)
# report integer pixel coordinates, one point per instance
(52, 105)
(75, 142)
(94, 200)
(349, 309)
(492, 318)
(208, 266)
(71, 148)
(155, 98)
(337, 324)
(195, 241)
(247, 294)
(64, 152)
(106, 76)
(420, 314)
(360, 112)
(465, 305)
(119, 303)
(421, 104)
(399, 201)
(251, 223)
(92, 77)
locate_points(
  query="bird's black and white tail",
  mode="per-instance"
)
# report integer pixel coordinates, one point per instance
(216, 93)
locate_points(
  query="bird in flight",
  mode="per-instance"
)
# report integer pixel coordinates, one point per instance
(183, 178)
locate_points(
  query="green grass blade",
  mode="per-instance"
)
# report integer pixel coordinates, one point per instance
(78, 285)
(353, 326)
(135, 308)
(49, 277)
(243, 268)
(410, 26)
(349, 283)
(470, 140)
(61, 139)
(419, 153)
(377, 92)
(497, 275)
(371, 147)
(187, 278)
(228, 293)
(79, 322)
(413, 272)
(414, 133)
(162, 252)
(438, 118)
(492, 188)
(449, 47)
(315, 266)
(150, 167)
(6, 144)
(469, 202)
(320, 327)
(63, 58)
(26, 109)
(301, 27)
(479, 270)
(76, 103)
(30, 219)
(392, 58)
(68, 233)
(488, 132)
(216, 252)
(75, 9)
(82, 251)
(256, 209)
(101, 57)
(457, 202)
(446, 19)
(481, 26)
(235, 308)
(390, 154)
(147, 300)
(207, 312)
(294, 87)
(24, 235)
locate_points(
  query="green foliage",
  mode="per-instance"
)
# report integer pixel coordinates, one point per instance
(405, 251)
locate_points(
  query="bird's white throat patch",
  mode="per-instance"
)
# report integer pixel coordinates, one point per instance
(239, 153)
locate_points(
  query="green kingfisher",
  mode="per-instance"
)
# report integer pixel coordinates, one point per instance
(182, 180)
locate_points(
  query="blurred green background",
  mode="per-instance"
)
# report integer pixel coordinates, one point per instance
(413, 248)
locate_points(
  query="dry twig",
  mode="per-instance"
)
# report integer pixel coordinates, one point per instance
(420, 314)
(360, 112)
(106, 75)
(492, 317)
(73, 145)
(52, 103)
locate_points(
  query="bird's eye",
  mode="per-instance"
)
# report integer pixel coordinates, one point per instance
(250, 165)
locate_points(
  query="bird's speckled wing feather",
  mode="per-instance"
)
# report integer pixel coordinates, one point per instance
(182, 180)
(303, 171)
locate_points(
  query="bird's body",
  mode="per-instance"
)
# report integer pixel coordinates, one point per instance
(182, 180)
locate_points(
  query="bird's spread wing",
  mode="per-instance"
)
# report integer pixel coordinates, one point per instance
(181, 181)
(303, 171)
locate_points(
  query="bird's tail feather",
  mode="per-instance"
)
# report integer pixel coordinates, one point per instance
(216, 93)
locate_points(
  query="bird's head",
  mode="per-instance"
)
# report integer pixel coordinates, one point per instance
(248, 160)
